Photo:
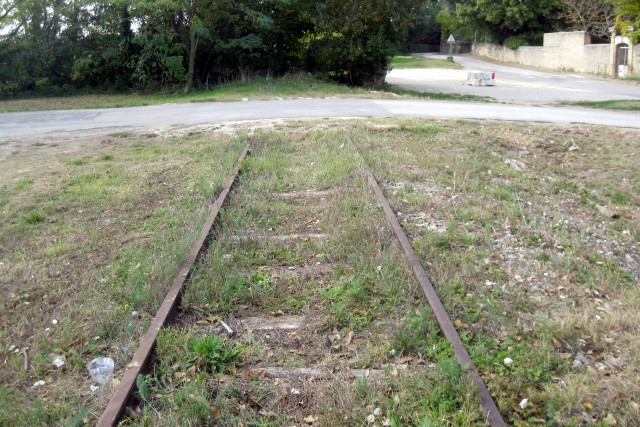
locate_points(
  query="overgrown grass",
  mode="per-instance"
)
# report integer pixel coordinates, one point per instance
(351, 283)
(91, 238)
(527, 263)
(635, 79)
(521, 255)
(621, 104)
(414, 61)
(257, 88)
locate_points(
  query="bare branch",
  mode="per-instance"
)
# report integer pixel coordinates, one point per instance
(7, 11)
(595, 16)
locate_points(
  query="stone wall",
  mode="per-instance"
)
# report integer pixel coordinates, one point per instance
(566, 51)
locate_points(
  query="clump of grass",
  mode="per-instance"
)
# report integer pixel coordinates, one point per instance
(212, 354)
(419, 334)
(121, 134)
(78, 161)
(32, 217)
(105, 157)
(347, 300)
(620, 198)
(23, 183)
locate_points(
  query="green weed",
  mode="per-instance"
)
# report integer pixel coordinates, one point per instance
(351, 302)
(212, 354)
(77, 161)
(32, 217)
(121, 134)
(420, 334)
(23, 183)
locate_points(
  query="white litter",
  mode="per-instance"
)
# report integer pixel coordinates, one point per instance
(101, 369)
(59, 361)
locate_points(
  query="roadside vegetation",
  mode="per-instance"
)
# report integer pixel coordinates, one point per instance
(176, 45)
(150, 46)
(500, 21)
(622, 104)
(529, 233)
(256, 88)
(399, 62)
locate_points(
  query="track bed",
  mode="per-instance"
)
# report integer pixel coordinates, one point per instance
(306, 278)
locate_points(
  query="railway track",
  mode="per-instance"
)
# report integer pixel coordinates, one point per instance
(308, 282)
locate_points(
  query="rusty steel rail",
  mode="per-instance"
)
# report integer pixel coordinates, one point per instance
(448, 329)
(141, 358)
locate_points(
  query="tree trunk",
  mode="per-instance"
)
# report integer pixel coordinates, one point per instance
(192, 62)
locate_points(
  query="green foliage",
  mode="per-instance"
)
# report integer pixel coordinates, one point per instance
(354, 40)
(420, 334)
(212, 354)
(496, 20)
(425, 29)
(628, 18)
(143, 384)
(32, 218)
(514, 42)
(55, 50)
(160, 58)
(351, 302)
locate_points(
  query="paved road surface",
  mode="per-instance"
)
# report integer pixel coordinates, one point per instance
(514, 85)
(162, 116)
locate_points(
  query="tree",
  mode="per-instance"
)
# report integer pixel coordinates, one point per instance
(60, 44)
(425, 28)
(628, 18)
(594, 16)
(354, 40)
(501, 19)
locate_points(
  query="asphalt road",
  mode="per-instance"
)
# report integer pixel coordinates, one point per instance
(513, 85)
(162, 116)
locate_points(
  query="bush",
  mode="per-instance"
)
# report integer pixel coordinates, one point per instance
(515, 42)
(529, 39)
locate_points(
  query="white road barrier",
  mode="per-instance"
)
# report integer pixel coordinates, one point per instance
(477, 78)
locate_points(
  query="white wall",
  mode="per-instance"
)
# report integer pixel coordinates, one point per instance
(566, 51)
